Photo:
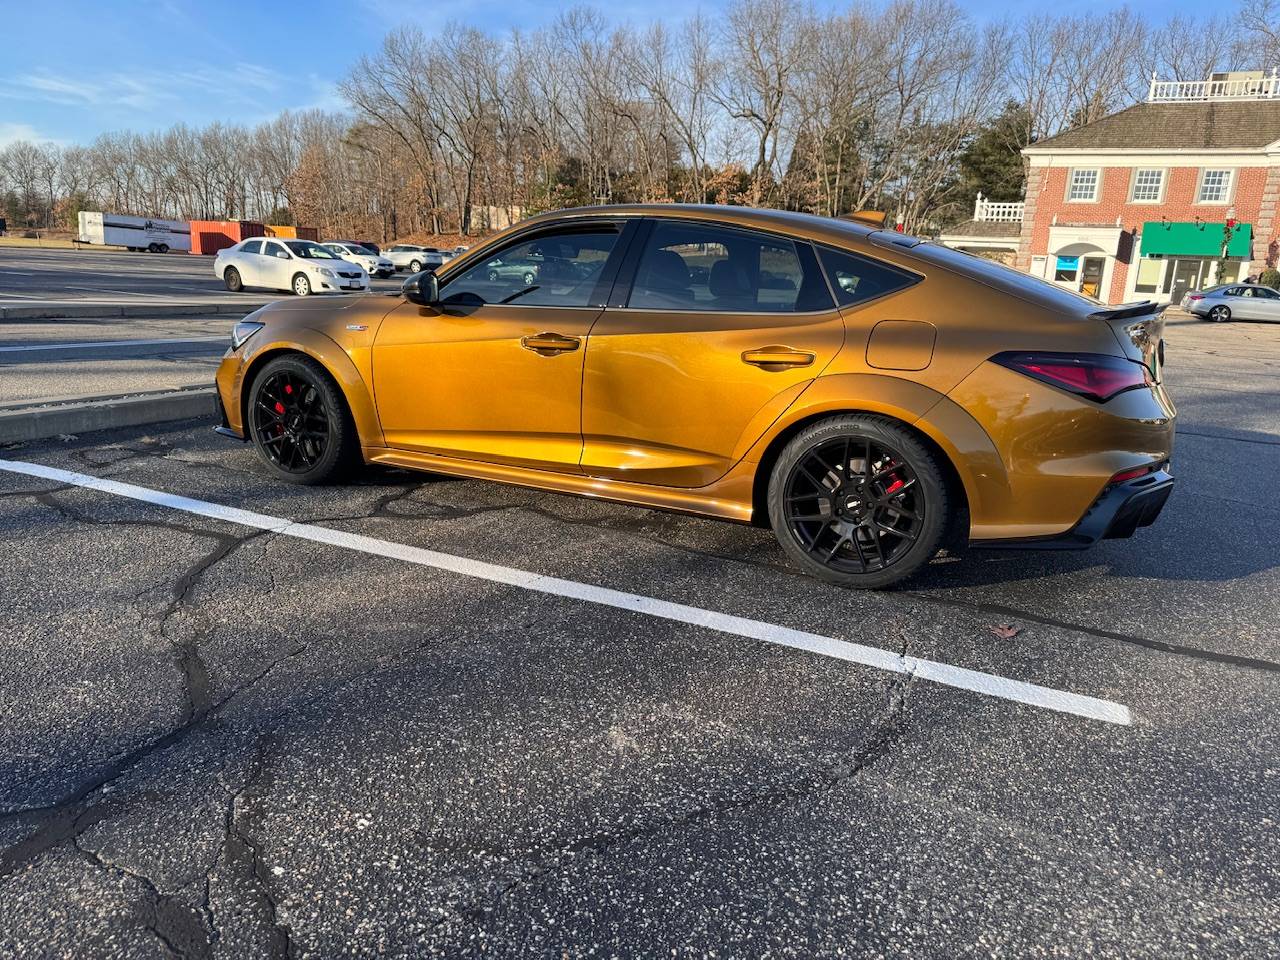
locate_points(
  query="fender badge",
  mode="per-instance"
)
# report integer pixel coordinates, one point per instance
(357, 326)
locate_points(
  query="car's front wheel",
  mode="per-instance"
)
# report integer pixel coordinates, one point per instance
(415, 266)
(232, 280)
(299, 423)
(1220, 314)
(859, 501)
(301, 285)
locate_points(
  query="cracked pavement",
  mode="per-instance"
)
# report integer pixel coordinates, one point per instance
(222, 742)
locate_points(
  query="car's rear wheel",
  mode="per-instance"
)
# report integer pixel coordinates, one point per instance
(231, 279)
(1220, 314)
(528, 278)
(858, 500)
(301, 285)
(299, 422)
(415, 266)
(493, 276)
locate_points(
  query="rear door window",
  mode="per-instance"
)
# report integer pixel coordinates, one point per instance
(697, 267)
(252, 246)
(857, 279)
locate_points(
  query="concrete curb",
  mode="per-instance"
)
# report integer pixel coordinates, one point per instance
(36, 423)
(76, 311)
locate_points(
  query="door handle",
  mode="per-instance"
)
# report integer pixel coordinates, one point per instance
(776, 357)
(549, 344)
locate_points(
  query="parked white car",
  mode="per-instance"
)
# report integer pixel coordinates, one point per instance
(298, 265)
(374, 264)
(415, 258)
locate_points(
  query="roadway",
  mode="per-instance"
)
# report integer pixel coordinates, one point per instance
(252, 733)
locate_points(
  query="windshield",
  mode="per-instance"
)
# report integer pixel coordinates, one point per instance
(310, 251)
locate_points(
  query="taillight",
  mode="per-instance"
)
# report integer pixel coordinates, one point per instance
(1094, 376)
(1196, 296)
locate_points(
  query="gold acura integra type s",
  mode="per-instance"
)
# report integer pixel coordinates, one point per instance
(871, 397)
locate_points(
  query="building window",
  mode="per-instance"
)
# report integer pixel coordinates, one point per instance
(1084, 186)
(1215, 187)
(1066, 269)
(1149, 272)
(1148, 185)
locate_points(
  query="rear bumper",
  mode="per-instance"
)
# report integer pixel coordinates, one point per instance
(1117, 513)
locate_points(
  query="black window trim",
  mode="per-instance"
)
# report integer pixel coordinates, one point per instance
(624, 226)
(627, 275)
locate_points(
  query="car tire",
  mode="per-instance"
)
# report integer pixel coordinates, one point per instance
(232, 281)
(493, 276)
(859, 500)
(529, 279)
(1219, 314)
(415, 266)
(301, 285)
(299, 422)
(163, 248)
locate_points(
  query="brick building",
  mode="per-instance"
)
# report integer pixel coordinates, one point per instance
(1137, 205)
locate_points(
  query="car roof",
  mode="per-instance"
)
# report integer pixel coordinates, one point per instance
(785, 221)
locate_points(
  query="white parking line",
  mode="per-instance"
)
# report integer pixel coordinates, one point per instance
(32, 347)
(976, 681)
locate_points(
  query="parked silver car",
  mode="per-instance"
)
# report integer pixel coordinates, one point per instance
(1234, 301)
(414, 257)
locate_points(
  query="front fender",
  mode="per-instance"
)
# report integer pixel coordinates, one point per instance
(350, 370)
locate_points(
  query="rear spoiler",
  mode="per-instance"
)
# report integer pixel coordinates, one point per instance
(1127, 311)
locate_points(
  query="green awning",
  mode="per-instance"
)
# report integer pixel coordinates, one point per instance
(1167, 239)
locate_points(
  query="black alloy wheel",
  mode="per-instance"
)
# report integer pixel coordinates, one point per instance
(298, 421)
(858, 501)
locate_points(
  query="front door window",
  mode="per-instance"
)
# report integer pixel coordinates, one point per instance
(560, 270)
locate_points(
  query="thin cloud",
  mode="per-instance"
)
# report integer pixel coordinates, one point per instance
(144, 90)
(13, 132)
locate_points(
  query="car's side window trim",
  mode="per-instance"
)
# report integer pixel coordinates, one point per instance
(621, 294)
(604, 282)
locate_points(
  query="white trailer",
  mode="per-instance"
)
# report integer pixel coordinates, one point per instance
(136, 233)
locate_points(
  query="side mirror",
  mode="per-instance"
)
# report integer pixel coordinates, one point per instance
(422, 289)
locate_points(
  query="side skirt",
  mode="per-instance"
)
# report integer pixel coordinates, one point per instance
(726, 499)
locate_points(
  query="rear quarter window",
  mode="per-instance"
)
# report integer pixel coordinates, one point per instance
(856, 279)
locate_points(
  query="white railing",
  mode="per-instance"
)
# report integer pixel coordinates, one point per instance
(989, 212)
(1238, 88)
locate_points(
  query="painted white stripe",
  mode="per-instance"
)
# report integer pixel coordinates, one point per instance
(87, 344)
(976, 681)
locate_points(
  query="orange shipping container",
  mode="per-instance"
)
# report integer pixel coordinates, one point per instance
(286, 232)
(210, 236)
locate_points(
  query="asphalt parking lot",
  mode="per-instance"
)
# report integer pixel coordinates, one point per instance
(415, 715)
(143, 278)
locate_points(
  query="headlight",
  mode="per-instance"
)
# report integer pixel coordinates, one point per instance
(326, 272)
(243, 331)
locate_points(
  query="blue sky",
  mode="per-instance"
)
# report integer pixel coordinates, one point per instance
(76, 68)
